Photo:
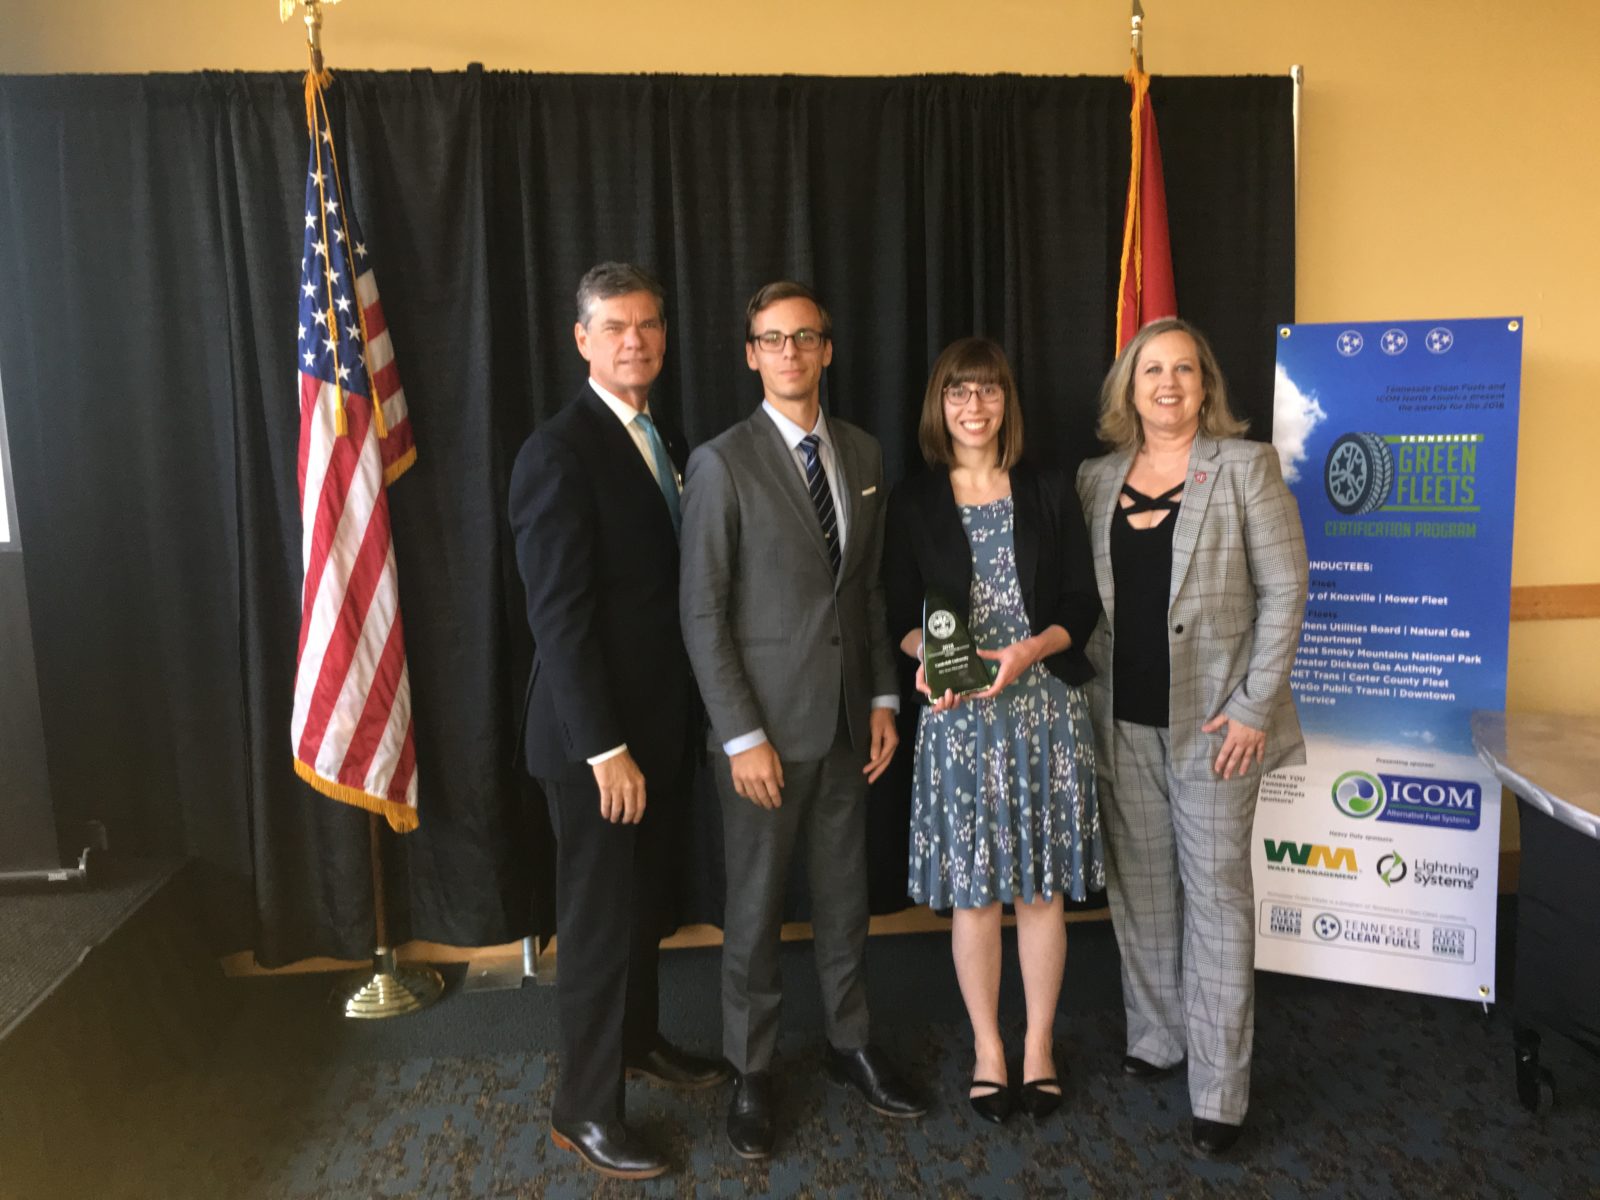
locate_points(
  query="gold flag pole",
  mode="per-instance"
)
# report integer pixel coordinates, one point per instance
(1138, 35)
(390, 989)
(313, 25)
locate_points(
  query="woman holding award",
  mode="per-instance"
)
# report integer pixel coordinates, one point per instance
(1202, 570)
(1003, 799)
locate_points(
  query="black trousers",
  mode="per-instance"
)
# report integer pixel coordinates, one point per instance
(610, 889)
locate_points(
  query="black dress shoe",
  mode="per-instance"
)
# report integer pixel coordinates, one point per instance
(869, 1072)
(1213, 1138)
(669, 1066)
(608, 1147)
(994, 1105)
(1137, 1068)
(1040, 1097)
(750, 1123)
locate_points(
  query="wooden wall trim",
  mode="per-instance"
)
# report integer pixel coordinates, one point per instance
(1556, 602)
(912, 920)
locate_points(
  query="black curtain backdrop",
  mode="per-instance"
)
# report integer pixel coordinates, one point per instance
(149, 254)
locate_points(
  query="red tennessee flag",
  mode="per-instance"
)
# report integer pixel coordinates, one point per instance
(1147, 292)
(352, 727)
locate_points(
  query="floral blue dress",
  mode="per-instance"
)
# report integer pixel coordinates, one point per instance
(1003, 803)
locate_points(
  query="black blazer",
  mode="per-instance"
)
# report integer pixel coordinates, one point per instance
(925, 545)
(599, 561)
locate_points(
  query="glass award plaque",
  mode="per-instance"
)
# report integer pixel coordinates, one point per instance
(950, 659)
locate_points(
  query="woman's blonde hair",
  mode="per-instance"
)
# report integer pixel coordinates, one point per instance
(969, 360)
(1119, 425)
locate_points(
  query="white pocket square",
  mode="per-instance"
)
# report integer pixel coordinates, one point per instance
(870, 490)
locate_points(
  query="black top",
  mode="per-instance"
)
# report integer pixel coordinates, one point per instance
(926, 546)
(1141, 573)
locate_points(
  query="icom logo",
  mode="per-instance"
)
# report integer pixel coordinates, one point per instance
(1357, 794)
(1409, 799)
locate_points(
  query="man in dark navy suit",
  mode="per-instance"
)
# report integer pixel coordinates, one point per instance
(608, 728)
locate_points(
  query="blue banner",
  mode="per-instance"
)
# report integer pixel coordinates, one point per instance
(1399, 441)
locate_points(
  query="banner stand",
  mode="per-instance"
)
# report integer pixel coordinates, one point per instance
(1376, 861)
(29, 852)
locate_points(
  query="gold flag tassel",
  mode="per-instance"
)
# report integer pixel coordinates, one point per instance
(1132, 256)
(1131, 248)
(380, 426)
(320, 131)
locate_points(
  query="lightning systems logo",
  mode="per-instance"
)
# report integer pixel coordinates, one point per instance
(1391, 868)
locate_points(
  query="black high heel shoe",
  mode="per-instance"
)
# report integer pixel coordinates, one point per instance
(994, 1106)
(1213, 1138)
(1038, 1100)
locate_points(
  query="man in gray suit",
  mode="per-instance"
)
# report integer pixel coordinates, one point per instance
(783, 617)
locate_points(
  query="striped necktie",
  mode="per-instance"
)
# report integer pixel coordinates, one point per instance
(821, 496)
(666, 477)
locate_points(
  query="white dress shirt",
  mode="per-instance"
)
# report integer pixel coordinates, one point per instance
(793, 435)
(626, 413)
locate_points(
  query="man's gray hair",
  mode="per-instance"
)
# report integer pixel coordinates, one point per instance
(612, 279)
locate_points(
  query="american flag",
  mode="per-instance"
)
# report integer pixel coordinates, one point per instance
(352, 727)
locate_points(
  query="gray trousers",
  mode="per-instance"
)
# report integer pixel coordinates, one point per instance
(824, 804)
(1182, 901)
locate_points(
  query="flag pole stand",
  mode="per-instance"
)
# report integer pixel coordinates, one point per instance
(392, 989)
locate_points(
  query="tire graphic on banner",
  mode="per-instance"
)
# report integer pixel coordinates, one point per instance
(1358, 474)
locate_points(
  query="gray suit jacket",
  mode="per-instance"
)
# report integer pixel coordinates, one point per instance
(1238, 596)
(773, 639)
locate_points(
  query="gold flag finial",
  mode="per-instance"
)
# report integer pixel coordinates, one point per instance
(313, 26)
(1138, 35)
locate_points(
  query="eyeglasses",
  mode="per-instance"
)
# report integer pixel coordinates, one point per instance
(958, 394)
(773, 341)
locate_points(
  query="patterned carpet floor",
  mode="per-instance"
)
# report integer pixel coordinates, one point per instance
(1357, 1093)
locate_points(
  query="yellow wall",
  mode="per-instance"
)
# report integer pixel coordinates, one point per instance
(1448, 156)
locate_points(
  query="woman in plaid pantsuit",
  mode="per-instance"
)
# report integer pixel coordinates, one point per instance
(1201, 565)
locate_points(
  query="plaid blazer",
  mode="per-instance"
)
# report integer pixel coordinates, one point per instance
(1237, 598)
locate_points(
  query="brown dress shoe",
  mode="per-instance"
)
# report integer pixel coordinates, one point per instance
(668, 1066)
(610, 1148)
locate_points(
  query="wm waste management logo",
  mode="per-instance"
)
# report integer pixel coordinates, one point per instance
(1310, 858)
(1409, 799)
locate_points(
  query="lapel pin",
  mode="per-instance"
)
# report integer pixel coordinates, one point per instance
(1199, 476)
